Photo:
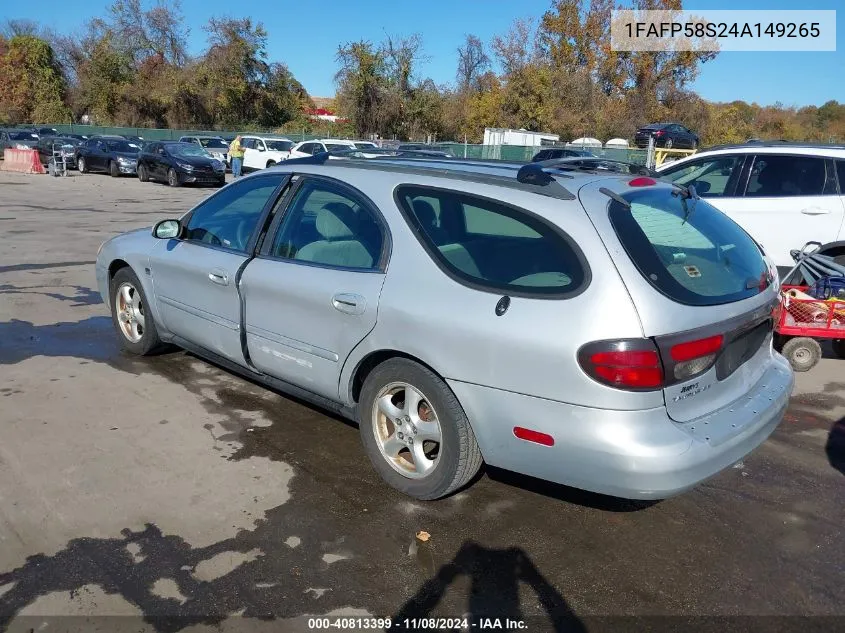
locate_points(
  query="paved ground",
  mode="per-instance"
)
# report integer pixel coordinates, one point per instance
(167, 486)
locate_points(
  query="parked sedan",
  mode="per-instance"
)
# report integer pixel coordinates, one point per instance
(113, 155)
(179, 163)
(551, 153)
(17, 139)
(668, 135)
(214, 145)
(68, 146)
(598, 330)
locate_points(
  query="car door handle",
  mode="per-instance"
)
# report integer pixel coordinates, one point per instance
(815, 211)
(349, 303)
(219, 277)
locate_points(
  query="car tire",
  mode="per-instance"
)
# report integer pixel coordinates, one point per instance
(838, 345)
(270, 163)
(668, 144)
(173, 178)
(114, 170)
(133, 322)
(802, 352)
(451, 463)
(143, 176)
(81, 165)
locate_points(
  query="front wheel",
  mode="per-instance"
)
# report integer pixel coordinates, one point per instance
(82, 166)
(415, 431)
(802, 352)
(173, 178)
(114, 170)
(143, 176)
(134, 323)
(271, 163)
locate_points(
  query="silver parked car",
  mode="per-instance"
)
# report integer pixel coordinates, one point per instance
(593, 328)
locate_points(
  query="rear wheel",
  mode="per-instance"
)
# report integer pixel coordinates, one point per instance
(839, 347)
(143, 176)
(132, 320)
(81, 165)
(802, 352)
(669, 143)
(415, 431)
(173, 178)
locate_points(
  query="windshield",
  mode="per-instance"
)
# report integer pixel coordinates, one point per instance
(366, 145)
(330, 147)
(688, 250)
(63, 140)
(188, 150)
(121, 146)
(279, 146)
(215, 143)
(23, 136)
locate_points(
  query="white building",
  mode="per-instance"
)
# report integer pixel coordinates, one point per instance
(502, 136)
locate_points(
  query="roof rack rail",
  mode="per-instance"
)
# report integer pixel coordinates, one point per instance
(756, 142)
(425, 165)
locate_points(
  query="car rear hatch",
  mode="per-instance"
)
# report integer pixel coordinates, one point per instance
(702, 288)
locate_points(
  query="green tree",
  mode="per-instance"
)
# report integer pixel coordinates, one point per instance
(32, 87)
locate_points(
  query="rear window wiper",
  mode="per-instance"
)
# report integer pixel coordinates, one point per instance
(615, 196)
(686, 193)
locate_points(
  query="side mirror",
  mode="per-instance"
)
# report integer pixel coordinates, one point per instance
(167, 229)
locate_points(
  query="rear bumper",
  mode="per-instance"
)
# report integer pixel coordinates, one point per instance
(632, 454)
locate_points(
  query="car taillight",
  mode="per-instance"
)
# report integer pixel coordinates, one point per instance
(632, 364)
(659, 133)
(695, 357)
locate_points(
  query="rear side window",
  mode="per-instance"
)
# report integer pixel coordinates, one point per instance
(688, 250)
(784, 176)
(840, 170)
(492, 246)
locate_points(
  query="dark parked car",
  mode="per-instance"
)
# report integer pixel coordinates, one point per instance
(180, 163)
(17, 139)
(111, 154)
(78, 137)
(46, 131)
(67, 145)
(559, 152)
(667, 135)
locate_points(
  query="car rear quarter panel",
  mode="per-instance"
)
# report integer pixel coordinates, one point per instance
(532, 348)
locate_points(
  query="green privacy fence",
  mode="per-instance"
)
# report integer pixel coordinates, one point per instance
(461, 150)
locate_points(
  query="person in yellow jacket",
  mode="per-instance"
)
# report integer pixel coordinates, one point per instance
(236, 154)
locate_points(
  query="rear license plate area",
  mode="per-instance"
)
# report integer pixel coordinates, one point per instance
(741, 349)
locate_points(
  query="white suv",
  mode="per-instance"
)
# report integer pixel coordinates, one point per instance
(264, 151)
(783, 194)
(317, 146)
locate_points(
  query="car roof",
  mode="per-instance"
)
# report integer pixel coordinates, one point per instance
(556, 181)
(268, 138)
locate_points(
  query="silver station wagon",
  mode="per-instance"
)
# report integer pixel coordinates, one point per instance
(596, 328)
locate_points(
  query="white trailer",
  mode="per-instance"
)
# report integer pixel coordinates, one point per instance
(502, 136)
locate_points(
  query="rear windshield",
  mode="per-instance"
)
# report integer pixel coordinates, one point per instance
(492, 246)
(23, 136)
(688, 250)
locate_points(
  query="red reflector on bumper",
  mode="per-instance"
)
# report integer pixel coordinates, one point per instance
(533, 436)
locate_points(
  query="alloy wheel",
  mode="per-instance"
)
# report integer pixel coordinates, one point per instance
(407, 430)
(130, 312)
